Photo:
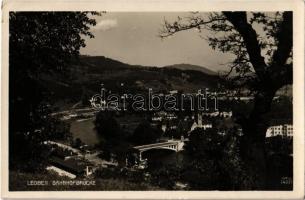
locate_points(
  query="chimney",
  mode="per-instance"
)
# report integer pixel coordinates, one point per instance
(199, 120)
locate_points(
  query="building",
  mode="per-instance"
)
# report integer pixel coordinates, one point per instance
(200, 124)
(219, 114)
(156, 118)
(71, 168)
(204, 126)
(68, 161)
(226, 114)
(163, 127)
(284, 130)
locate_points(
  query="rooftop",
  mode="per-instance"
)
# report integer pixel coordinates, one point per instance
(71, 165)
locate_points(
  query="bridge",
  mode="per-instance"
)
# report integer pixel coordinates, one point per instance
(174, 145)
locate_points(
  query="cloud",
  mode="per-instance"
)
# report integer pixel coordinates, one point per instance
(106, 24)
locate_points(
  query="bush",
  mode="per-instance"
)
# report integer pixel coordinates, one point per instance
(166, 176)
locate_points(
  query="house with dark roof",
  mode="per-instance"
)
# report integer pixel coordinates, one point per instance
(72, 167)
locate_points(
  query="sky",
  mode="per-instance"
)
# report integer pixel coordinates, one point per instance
(133, 38)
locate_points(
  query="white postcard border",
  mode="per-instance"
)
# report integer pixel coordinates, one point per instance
(297, 6)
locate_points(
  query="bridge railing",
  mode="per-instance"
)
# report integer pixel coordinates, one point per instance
(157, 144)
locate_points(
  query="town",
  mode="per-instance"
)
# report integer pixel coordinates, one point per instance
(144, 101)
(74, 158)
(155, 101)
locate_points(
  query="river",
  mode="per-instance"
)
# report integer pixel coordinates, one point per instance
(84, 130)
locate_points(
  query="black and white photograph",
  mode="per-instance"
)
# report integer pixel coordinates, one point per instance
(151, 101)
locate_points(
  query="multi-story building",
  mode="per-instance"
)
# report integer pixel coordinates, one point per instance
(285, 130)
(220, 114)
(200, 124)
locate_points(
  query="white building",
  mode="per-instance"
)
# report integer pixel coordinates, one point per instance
(221, 114)
(285, 130)
(156, 118)
(200, 124)
(226, 114)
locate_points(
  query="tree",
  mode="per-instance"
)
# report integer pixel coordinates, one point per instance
(40, 43)
(113, 140)
(145, 134)
(77, 143)
(206, 152)
(214, 161)
(172, 133)
(262, 64)
(56, 129)
(107, 126)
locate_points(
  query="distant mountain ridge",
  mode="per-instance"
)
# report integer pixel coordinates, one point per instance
(184, 66)
(86, 74)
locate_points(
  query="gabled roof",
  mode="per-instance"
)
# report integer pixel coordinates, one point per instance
(70, 165)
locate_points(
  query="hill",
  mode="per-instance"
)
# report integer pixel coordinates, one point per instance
(85, 76)
(192, 67)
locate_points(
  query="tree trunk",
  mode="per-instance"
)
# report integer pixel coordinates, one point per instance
(253, 144)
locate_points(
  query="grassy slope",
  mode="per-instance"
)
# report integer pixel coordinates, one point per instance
(86, 75)
(18, 182)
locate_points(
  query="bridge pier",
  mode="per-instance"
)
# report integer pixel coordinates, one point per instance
(140, 155)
